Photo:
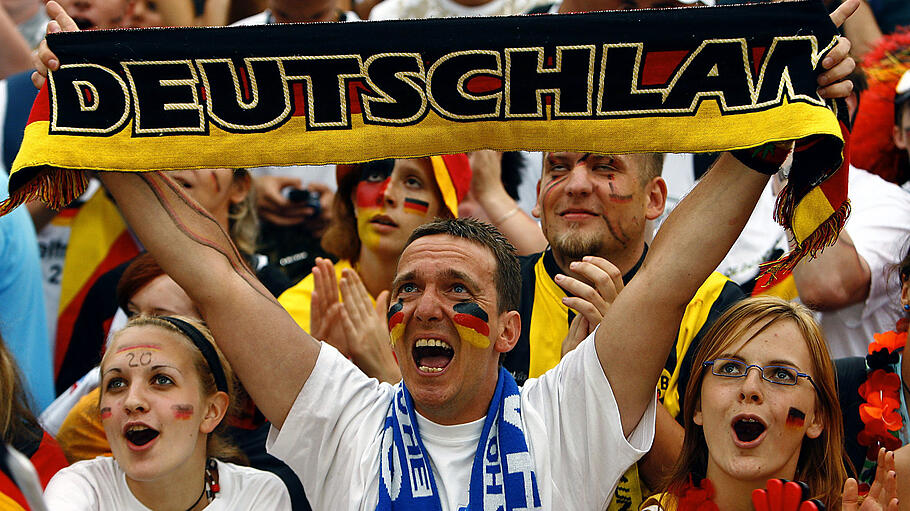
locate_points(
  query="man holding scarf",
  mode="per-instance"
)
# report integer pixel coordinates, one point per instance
(457, 432)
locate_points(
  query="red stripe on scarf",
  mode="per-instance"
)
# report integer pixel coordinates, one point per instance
(41, 108)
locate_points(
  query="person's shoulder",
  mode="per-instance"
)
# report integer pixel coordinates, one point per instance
(869, 187)
(259, 18)
(388, 10)
(528, 261)
(243, 480)
(100, 471)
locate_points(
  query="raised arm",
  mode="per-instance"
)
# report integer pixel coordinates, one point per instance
(639, 328)
(638, 331)
(271, 355)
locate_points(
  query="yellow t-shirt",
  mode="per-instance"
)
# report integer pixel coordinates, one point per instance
(296, 300)
(81, 435)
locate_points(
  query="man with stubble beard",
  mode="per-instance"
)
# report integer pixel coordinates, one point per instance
(594, 212)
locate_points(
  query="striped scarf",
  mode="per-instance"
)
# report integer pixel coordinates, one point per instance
(663, 80)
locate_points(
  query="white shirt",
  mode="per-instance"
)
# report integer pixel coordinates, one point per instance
(331, 437)
(418, 9)
(879, 225)
(100, 484)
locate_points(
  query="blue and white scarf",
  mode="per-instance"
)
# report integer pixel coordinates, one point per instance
(502, 477)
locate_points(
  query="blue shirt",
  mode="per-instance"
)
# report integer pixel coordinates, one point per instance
(23, 323)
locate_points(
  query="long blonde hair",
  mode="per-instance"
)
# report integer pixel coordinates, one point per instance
(242, 218)
(821, 460)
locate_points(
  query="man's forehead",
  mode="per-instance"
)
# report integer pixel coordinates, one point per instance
(437, 253)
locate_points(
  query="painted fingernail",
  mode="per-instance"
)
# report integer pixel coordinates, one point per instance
(52, 64)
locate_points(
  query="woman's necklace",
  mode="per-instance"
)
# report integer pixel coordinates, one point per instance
(210, 487)
(197, 500)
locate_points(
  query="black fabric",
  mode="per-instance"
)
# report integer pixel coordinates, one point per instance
(90, 329)
(851, 373)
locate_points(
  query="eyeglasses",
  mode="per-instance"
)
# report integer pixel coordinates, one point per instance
(781, 375)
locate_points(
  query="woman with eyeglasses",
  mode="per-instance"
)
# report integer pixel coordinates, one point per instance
(762, 404)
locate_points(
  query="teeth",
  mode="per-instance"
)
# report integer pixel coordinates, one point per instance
(431, 369)
(433, 343)
(137, 428)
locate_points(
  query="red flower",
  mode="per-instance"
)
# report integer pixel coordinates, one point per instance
(879, 407)
(881, 381)
(874, 435)
(888, 340)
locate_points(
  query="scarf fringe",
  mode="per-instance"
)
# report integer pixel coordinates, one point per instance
(823, 236)
(55, 187)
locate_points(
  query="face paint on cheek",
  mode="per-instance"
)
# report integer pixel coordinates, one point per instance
(368, 236)
(472, 324)
(396, 318)
(416, 206)
(106, 413)
(182, 412)
(796, 418)
(370, 193)
(551, 186)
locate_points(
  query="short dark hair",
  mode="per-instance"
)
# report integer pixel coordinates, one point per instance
(508, 273)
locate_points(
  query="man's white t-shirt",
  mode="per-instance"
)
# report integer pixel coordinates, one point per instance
(100, 484)
(331, 437)
(879, 225)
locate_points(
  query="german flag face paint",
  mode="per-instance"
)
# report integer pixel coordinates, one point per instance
(796, 418)
(369, 196)
(396, 318)
(374, 179)
(416, 206)
(472, 324)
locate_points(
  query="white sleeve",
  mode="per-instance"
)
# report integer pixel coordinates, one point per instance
(573, 408)
(264, 491)
(879, 229)
(70, 490)
(338, 414)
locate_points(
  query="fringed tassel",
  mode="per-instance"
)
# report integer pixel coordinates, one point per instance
(824, 236)
(53, 186)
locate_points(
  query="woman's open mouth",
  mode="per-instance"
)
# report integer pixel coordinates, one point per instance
(748, 431)
(138, 436)
(432, 355)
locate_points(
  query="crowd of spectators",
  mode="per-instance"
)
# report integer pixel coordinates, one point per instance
(140, 370)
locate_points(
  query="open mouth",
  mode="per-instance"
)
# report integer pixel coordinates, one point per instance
(432, 355)
(140, 435)
(748, 429)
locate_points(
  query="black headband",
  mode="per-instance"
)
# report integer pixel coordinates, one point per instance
(205, 347)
